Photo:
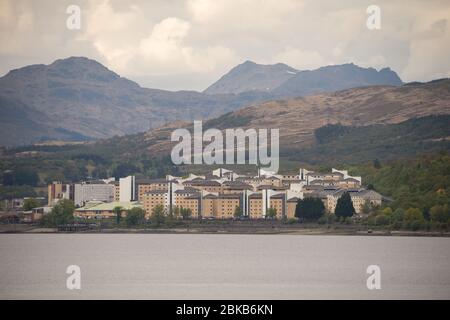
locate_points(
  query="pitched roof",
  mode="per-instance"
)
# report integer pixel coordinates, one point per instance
(109, 206)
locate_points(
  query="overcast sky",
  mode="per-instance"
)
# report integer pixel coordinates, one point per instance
(188, 44)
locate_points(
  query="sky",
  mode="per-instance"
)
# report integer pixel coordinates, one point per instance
(189, 44)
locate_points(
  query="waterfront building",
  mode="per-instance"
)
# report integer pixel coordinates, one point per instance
(102, 210)
(58, 191)
(218, 194)
(127, 189)
(147, 185)
(93, 190)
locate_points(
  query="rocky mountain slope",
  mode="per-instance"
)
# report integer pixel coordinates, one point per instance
(298, 118)
(80, 99)
(281, 80)
(250, 76)
(346, 127)
(334, 78)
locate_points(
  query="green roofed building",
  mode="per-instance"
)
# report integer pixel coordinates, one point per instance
(101, 210)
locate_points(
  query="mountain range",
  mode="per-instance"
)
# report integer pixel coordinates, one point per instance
(379, 111)
(80, 99)
(282, 80)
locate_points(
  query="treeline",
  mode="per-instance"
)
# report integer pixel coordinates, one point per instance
(419, 189)
(420, 182)
(337, 144)
(18, 176)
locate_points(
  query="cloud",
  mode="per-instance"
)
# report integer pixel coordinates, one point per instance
(428, 52)
(300, 59)
(16, 21)
(161, 48)
(193, 42)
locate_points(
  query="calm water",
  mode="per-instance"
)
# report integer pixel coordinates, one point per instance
(165, 266)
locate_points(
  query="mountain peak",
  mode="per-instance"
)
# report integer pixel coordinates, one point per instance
(335, 78)
(285, 81)
(81, 67)
(251, 76)
(248, 62)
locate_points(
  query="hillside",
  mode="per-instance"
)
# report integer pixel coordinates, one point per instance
(298, 118)
(343, 145)
(343, 128)
(79, 99)
(420, 182)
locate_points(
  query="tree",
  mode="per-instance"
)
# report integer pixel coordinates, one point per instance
(118, 212)
(376, 164)
(125, 169)
(398, 214)
(135, 216)
(237, 212)
(74, 171)
(344, 206)
(382, 220)
(10, 192)
(271, 213)
(440, 213)
(25, 176)
(185, 213)
(158, 215)
(367, 207)
(8, 178)
(413, 214)
(30, 203)
(176, 211)
(309, 208)
(62, 213)
(387, 212)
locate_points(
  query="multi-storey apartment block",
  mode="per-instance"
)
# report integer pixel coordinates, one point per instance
(146, 185)
(93, 190)
(58, 191)
(218, 195)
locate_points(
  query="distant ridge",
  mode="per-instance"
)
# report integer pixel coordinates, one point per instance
(79, 98)
(282, 80)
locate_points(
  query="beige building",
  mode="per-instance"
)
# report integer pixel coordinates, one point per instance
(152, 199)
(235, 187)
(226, 205)
(205, 185)
(209, 206)
(277, 202)
(188, 200)
(349, 183)
(57, 191)
(116, 190)
(147, 185)
(291, 206)
(359, 198)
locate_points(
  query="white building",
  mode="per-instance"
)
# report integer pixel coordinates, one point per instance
(346, 175)
(93, 191)
(127, 187)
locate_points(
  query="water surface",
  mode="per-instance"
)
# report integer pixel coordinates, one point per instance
(202, 266)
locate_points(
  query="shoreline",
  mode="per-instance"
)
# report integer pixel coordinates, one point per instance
(342, 231)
